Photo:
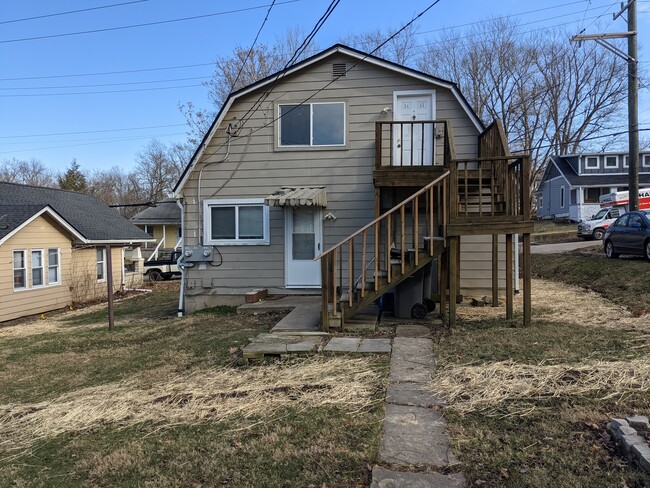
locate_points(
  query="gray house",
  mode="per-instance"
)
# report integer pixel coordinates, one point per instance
(297, 162)
(571, 185)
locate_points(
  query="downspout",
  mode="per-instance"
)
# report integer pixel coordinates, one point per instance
(181, 298)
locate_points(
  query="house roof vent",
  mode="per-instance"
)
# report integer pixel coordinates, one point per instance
(339, 70)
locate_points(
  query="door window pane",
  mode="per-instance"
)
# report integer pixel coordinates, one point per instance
(295, 125)
(328, 124)
(304, 238)
(251, 222)
(223, 222)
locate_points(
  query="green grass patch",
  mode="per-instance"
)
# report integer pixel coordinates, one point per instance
(218, 310)
(545, 226)
(623, 281)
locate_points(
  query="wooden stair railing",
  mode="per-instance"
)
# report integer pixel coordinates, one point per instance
(341, 292)
(492, 188)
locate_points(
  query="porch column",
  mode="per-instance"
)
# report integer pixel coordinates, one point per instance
(527, 280)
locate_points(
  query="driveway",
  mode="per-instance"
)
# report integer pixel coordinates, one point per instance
(563, 247)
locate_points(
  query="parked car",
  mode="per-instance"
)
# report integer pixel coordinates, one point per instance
(629, 234)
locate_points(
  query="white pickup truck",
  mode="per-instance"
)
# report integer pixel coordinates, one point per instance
(613, 206)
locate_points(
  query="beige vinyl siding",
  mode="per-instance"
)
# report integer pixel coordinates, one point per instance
(170, 233)
(41, 234)
(83, 274)
(256, 167)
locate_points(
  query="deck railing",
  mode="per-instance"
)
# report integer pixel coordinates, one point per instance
(420, 217)
(410, 143)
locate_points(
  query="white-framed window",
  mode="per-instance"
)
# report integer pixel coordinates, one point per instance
(562, 196)
(236, 222)
(626, 161)
(611, 162)
(101, 264)
(646, 160)
(541, 202)
(53, 266)
(20, 270)
(38, 276)
(591, 162)
(311, 124)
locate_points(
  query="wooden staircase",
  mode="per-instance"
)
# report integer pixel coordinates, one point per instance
(413, 230)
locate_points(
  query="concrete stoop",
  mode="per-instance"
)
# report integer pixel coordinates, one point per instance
(414, 442)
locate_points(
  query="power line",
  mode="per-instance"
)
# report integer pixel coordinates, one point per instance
(99, 92)
(91, 131)
(108, 72)
(100, 84)
(71, 12)
(146, 24)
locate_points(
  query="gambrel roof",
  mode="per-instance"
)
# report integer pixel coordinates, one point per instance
(335, 49)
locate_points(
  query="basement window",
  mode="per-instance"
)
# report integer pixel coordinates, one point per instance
(312, 124)
(236, 222)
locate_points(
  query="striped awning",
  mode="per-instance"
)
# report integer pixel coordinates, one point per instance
(298, 196)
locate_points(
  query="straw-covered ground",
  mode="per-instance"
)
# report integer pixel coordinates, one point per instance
(528, 406)
(157, 402)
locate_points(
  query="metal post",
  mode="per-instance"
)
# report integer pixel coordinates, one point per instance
(109, 286)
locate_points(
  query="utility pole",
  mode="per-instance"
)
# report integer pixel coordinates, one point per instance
(632, 90)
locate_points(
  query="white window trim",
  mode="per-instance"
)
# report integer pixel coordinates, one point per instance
(562, 197)
(26, 287)
(541, 201)
(207, 222)
(58, 266)
(311, 126)
(607, 158)
(626, 161)
(104, 269)
(646, 161)
(31, 269)
(587, 158)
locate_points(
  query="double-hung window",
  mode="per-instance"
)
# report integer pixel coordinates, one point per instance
(101, 264)
(53, 267)
(591, 162)
(611, 162)
(312, 124)
(236, 222)
(38, 278)
(20, 270)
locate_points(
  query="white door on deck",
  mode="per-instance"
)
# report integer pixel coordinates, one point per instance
(303, 242)
(413, 144)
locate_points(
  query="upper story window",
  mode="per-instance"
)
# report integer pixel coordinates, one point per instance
(20, 270)
(591, 162)
(646, 161)
(236, 222)
(611, 162)
(626, 162)
(312, 124)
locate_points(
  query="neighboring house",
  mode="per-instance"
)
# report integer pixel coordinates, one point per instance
(571, 185)
(163, 223)
(53, 249)
(299, 161)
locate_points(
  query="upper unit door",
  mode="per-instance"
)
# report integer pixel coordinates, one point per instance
(303, 242)
(413, 143)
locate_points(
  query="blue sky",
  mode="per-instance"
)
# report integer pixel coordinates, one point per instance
(60, 123)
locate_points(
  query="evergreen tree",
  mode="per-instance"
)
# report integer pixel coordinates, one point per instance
(73, 179)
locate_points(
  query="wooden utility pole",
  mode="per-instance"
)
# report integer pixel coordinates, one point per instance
(109, 286)
(632, 90)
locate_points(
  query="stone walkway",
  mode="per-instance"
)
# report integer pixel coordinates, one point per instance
(414, 436)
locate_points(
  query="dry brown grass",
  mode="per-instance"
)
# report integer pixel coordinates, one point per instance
(192, 398)
(560, 302)
(495, 388)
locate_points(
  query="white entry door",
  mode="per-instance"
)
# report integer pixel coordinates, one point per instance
(413, 144)
(303, 242)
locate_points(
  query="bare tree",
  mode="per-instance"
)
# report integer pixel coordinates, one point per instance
(401, 49)
(27, 172)
(242, 68)
(156, 171)
(552, 96)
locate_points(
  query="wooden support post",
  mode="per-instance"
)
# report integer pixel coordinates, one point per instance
(453, 278)
(109, 286)
(509, 278)
(388, 233)
(527, 282)
(363, 264)
(495, 270)
(444, 281)
(325, 322)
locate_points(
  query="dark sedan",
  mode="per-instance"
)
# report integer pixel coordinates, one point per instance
(630, 234)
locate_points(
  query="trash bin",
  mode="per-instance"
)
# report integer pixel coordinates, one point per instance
(430, 285)
(408, 297)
